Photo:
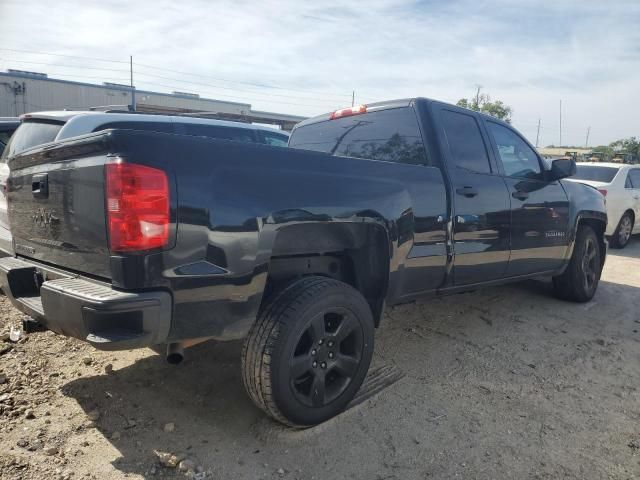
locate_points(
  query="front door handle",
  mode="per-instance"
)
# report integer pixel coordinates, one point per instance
(468, 192)
(520, 195)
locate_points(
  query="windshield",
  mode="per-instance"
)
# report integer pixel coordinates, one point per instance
(596, 174)
(30, 134)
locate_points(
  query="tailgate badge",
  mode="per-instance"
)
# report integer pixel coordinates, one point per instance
(47, 220)
(43, 218)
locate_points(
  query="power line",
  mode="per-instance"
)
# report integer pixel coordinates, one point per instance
(83, 67)
(263, 85)
(238, 97)
(258, 96)
(309, 95)
(268, 95)
(62, 55)
(118, 80)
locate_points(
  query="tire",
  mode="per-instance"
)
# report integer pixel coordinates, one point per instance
(309, 351)
(580, 280)
(622, 235)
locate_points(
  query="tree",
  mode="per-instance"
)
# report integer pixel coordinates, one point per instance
(482, 103)
(627, 145)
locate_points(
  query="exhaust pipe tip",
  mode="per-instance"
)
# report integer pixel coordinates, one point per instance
(175, 353)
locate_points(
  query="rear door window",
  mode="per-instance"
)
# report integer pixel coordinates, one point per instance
(465, 141)
(391, 135)
(275, 139)
(31, 134)
(634, 176)
(246, 135)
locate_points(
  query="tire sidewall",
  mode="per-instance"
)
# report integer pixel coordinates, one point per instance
(616, 235)
(339, 296)
(578, 274)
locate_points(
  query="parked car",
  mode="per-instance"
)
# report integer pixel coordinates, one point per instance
(620, 184)
(43, 127)
(7, 127)
(128, 238)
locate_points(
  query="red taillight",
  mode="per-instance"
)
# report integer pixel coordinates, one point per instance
(347, 112)
(603, 192)
(137, 207)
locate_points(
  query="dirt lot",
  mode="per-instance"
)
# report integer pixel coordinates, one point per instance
(503, 383)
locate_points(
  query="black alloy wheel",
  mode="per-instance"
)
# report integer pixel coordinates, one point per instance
(326, 357)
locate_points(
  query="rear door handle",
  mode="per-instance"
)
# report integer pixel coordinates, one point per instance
(467, 191)
(40, 185)
(520, 195)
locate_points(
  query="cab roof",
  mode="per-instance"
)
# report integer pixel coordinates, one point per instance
(387, 104)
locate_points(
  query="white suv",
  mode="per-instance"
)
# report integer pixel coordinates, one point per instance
(44, 127)
(620, 184)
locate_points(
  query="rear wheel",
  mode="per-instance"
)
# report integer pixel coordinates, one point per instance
(622, 235)
(580, 280)
(309, 351)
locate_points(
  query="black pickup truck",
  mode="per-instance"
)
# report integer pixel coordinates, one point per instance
(129, 239)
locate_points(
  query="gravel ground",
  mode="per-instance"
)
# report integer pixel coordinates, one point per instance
(502, 383)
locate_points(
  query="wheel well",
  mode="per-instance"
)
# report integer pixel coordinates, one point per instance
(357, 254)
(599, 227)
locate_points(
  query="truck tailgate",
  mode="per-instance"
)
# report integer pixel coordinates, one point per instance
(56, 205)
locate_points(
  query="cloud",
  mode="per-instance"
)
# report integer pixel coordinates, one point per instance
(526, 53)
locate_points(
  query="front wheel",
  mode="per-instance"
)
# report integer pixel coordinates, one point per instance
(580, 280)
(309, 351)
(622, 235)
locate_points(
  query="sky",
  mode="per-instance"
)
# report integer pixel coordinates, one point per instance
(307, 57)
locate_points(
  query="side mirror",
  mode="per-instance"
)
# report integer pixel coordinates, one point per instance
(561, 168)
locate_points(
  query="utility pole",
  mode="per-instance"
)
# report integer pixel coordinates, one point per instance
(538, 133)
(586, 143)
(478, 96)
(560, 123)
(133, 89)
(353, 98)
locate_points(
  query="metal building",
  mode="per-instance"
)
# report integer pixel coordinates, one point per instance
(24, 92)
